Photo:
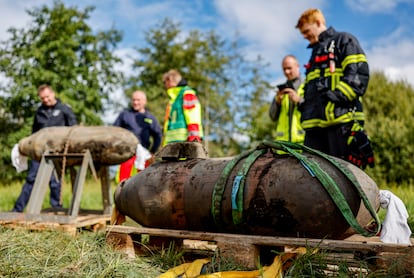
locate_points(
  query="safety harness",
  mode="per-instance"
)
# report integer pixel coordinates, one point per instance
(312, 167)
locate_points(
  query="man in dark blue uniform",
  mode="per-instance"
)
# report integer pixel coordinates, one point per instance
(144, 125)
(52, 112)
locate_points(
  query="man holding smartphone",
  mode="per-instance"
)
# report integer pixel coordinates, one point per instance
(284, 108)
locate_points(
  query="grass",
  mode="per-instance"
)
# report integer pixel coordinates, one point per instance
(53, 254)
(91, 195)
(26, 253)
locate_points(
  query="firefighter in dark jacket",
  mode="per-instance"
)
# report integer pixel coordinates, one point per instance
(337, 77)
(52, 112)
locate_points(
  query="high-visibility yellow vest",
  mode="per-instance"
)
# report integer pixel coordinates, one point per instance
(288, 127)
(178, 118)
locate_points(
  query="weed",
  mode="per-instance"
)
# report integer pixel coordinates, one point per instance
(167, 258)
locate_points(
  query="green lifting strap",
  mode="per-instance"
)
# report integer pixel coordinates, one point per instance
(220, 186)
(237, 196)
(329, 184)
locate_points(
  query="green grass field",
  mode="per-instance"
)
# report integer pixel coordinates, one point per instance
(91, 195)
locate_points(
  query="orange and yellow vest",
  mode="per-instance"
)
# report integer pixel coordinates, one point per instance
(183, 115)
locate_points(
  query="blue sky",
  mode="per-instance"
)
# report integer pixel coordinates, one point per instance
(385, 28)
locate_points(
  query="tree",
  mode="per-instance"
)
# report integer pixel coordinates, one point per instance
(256, 123)
(214, 67)
(389, 110)
(60, 49)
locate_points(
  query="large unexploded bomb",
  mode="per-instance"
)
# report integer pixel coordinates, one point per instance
(301, 193)
(109, 145)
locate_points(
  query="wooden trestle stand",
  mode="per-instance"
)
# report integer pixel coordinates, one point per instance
(72, 216)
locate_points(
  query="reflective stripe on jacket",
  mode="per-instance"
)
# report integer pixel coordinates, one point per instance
(184, 117)
(335, 81)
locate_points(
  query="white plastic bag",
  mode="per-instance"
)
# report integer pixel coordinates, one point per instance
(142, 155)
(395, 228)
(19, 161)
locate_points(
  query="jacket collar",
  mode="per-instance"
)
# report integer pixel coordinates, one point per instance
(174, 92)
(323, 36)
(326, 34)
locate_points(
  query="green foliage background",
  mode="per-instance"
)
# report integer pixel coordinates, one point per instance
(60, 49)
(389, 108)
(228, 85)
(81, 65)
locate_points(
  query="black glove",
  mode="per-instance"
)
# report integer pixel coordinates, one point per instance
(360, 151)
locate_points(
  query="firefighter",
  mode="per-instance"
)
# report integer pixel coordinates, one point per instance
(284, 108)
(183, 120)
(336, 79)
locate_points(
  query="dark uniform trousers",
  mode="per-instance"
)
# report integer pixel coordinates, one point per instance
(28, 186)
(331, 140)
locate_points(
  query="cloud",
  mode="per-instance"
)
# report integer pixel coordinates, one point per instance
(13, 14)
(127, 55)
(118, 101)
(393, 54)
(268, 24)
(266, 27)
(395, 59)
(138, 17)
(377, 6)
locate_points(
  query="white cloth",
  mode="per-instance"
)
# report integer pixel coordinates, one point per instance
(395, 228)
(141, 156)
(19, 161)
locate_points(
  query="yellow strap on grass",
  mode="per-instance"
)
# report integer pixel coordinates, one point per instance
(192, 270)
(186, 270)
(232, 274)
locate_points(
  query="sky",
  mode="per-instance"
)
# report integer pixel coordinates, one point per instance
(384, 28)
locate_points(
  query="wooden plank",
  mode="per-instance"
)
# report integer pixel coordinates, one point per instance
(242, 252)
(246, 249)
(327, 244)
(51, 221)
(79, 184)
(122, 242)
(106, 189)
(40, 186)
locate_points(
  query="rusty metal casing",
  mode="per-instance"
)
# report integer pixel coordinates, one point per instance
(109, 145)
(280, 198)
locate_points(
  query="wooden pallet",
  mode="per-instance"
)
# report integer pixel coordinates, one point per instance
(58, 221)
(246, 249)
